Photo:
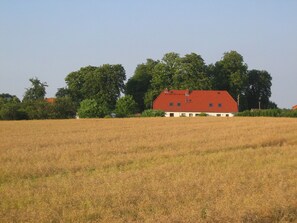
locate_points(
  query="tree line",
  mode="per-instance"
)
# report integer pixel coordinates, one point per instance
(96, 91)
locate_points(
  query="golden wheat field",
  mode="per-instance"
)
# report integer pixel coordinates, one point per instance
(149, 170)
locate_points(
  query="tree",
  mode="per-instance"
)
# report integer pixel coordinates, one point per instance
(162, 76)
(62, 92)
(37, 90)
(76, 84)
(104, 83)
(8, 97)
(125, 106)
(192, 74)
(230, 73)
(140, 82)
(258, 90)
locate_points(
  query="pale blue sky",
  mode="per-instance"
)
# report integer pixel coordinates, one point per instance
(50, 39)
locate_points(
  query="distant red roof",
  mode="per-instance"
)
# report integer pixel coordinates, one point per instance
(294, 107)
(195, 101)
(50, 100)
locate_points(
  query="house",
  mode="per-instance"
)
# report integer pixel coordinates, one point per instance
(178, 103)
(294, 107)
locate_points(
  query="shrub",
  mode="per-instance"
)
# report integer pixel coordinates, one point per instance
(90, 108)
(12, 111)
(64, 108)
(152, 113)
(38, 109)
(126, 106)
(269, 113)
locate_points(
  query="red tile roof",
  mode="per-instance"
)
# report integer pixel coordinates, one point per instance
(195, 101)
(50, 100)
(294, 107)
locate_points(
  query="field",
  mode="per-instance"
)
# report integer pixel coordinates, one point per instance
(149, 170)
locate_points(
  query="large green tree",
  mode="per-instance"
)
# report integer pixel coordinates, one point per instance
(258, 90)
(162, 76)
(36, 91)
(230, 73)
(104, 83)
(140, 82)
(192, 74)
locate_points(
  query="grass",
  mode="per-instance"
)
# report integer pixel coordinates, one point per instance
(149, 170)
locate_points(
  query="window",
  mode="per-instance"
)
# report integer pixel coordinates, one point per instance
(210, 105)
(170, 103)
(183, 115)
(171, 115)
(190, 115)
(220, 105)
(227, 115)
(196, 115)
(178, 104)
(219, 115)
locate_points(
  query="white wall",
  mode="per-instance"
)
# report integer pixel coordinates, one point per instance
(188, 114)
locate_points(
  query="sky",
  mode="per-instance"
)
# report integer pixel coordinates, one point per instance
(50, 39)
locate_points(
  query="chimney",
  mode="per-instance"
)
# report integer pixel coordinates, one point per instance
(166, 91)
(187, 94)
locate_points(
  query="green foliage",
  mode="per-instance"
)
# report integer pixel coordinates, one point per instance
(63, 108)
(269, 113)
(11, 108)
(36, 91)
(152, 113)
(38, 109)
(192, 74)
(230, 73)
(104, 83)
(202, 114)
(90, 108)
(125, 106)
(12, 111)
(140, 82)
(258, 90)
(62, 93)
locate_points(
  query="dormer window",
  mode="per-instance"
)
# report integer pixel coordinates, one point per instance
(170, 103)
(210, 105)
(178, 104)
(219, 105)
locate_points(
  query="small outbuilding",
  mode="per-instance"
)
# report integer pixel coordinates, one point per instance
(186, 103)
(294, 107)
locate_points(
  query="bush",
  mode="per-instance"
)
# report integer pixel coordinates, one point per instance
(38, 109)
(126, 106)
(89, 108)
(152, 113)
(64, 108)
(12, 111)
(269, 113)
